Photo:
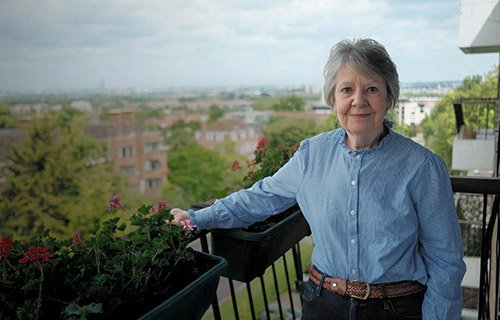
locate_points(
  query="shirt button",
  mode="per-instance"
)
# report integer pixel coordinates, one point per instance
(353, 241)
(358, 156)
(353, 182)
(353, 271)
(352, 212)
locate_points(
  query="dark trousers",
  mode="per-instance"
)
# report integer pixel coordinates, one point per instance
(324, 304)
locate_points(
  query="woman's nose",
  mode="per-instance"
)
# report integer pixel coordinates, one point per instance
(359, 98)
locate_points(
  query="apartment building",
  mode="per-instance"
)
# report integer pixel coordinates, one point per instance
(412, 112)
(140, 155)
(244, 136)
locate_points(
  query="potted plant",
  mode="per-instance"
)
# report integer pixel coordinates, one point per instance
(249, 251)
(121, 271)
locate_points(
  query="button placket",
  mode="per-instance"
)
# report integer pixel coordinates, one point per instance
(352, 232)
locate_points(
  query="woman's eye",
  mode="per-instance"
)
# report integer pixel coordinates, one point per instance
(372, 89)
(346, 90)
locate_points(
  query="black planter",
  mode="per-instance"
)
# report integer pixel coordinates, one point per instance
(250, 253)
(192, 301)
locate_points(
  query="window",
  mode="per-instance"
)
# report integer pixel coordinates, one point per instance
(129, 170)
(128, 152)
(153, 183)
(152, 164)
(152, 146)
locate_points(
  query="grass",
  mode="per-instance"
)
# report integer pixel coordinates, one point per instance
(242, 301)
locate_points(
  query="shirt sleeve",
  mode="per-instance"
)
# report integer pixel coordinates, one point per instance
(266, 197)
(440, 241)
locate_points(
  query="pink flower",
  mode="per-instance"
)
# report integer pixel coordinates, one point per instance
(114, 202)
(76, 238)
(250, 164)
(35, 254)
(162, 204)
(187, 227)
(5, 247)
(236, 165)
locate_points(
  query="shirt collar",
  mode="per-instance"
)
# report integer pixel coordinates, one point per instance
(388, 133)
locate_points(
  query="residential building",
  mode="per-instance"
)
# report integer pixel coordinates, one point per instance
(244, 136)
(412, 111)
(139, 154)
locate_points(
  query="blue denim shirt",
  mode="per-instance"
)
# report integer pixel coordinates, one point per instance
(380, 215)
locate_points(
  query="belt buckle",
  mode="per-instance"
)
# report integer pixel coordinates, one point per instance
(368, 290)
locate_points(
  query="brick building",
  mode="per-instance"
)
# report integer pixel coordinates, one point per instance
(140, 155)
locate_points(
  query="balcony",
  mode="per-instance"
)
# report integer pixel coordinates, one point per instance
(276, 293)
(474, 144)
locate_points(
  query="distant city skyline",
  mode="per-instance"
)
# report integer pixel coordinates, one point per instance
(85, 45)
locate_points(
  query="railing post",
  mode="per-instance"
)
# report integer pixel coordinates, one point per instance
(249, 291)
(277, 291)
(264, 295)
(233, 299)
(287, 275)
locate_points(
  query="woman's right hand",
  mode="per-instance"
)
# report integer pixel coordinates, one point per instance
(179, 216)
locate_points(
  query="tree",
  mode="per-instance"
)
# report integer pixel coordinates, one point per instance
(181, 134)
(215, 113)
(439, 128)
(289, 103)
(290, 131)
(197, 175)
(7, 120)
(53, 182)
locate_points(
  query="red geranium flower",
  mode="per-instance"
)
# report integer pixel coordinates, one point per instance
(76, 238)
(262, 143)
(5, 247)
(36, 253)
(236, 165)
(294, 148)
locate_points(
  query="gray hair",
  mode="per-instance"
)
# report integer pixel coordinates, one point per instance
(365, 56)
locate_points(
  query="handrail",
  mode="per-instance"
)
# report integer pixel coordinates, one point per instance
(486, 185)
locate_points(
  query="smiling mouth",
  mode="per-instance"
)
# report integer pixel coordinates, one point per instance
(360, 115)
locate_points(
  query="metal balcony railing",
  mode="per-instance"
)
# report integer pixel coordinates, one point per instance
(482, 196)
(475, 118)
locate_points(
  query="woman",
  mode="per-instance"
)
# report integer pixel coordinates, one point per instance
(380, 207)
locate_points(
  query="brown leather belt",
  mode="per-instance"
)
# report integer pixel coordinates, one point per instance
(363, 290)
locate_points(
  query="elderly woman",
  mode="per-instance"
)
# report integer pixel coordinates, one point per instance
(380, 206)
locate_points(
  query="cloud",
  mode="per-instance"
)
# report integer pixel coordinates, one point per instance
(211, 42)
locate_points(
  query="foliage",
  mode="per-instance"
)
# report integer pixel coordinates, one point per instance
(102, 272)
(289, 103)
(215, 113)
(285, 103)
(290, 131)
(7, 120)
(439, 128)
(52, 181)
(181, 134)
(199, 173)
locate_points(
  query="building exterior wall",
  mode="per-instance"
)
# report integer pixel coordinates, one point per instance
(142, 156)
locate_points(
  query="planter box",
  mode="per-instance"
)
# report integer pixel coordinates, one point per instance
(192, 301)
(250, 253)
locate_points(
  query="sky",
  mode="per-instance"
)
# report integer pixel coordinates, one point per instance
(159, 44)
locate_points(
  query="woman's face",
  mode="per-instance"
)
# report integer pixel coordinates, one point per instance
(361, 102)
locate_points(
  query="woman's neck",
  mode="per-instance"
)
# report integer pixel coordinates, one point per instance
(364, 141)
